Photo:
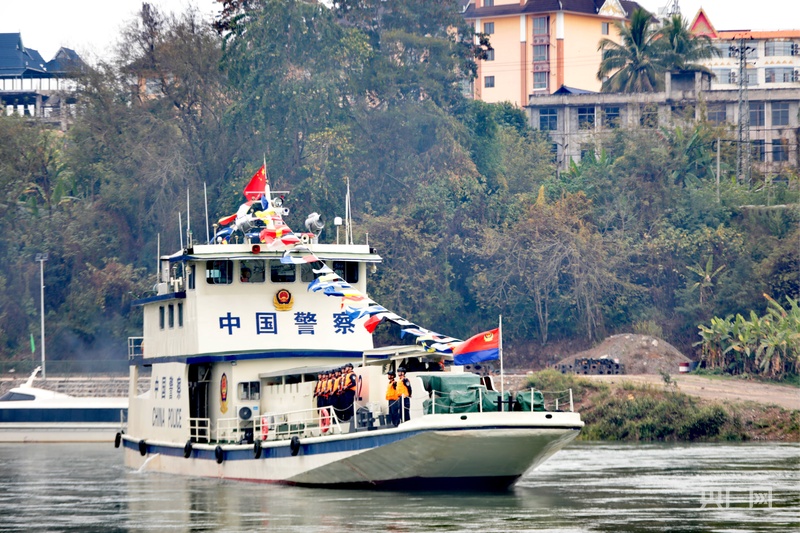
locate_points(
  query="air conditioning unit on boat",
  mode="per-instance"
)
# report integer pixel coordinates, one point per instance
(247, 412)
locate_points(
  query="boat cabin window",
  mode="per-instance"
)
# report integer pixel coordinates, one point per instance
(161, 316)
(252, 271)
(307, 274)
(219, 272)
(190, 271)
(280, 273)
(171, 316)
(16, 397)
(348, 270)
(250, 390)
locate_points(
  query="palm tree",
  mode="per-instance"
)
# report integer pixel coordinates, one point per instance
(684, 48)
(639, 63)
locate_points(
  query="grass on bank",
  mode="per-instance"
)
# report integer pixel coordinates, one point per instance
(631, 412)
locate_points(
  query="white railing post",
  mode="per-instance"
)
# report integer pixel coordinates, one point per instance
(480, 400)
(433, 406)
(570, 401)
(556, 403)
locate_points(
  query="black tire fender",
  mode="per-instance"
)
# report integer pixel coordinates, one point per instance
(143, 447)
(187, 449)
(117, 439)
(219, 454)
(257, 449)
(294, 445)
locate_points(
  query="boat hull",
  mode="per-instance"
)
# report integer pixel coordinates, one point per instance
(61, 433)
(432, 453)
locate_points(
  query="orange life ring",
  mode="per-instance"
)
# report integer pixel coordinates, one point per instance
(324, 420)
(264, 427)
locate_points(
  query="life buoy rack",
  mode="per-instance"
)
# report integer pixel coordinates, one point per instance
(257, 448)
(294, 445)
(143, 447)
(187, 449)
(264, 427)
(219, 454)
(324, 420)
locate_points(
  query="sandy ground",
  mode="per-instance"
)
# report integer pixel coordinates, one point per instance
(720, 389)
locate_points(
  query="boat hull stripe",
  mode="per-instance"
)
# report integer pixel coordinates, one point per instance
(332, 445)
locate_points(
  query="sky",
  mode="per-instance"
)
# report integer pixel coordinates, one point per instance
(90, 27)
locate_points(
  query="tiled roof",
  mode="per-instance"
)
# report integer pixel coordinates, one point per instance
(589, 7)
(572, 90)
(66, 61)
(16, 60)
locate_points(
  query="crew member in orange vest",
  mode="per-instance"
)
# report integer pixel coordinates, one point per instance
(348, 392)
(318, 389)
(404, 392)
(393, 398)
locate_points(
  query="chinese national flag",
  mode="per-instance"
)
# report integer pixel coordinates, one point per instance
(255, 188)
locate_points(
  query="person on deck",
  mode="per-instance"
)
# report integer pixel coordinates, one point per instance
(348, 392)
(393, 398)
(318, 388)
(404, 392)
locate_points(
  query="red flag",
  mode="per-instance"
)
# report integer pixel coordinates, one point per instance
(255, 188)
(482, 347)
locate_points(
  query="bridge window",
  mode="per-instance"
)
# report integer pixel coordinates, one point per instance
(219, 272)
(348, 270)
(252, 271)
(280, 273)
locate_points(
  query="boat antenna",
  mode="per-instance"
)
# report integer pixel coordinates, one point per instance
(348, 230)
(500, 349)
(180, 228)
(158, 258)
(188, 221)
(205, 198)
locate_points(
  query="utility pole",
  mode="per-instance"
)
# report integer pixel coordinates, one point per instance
(718, 151)
(42, 258)
(743, 126)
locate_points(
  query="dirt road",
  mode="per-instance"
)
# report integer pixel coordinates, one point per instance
(718, 388)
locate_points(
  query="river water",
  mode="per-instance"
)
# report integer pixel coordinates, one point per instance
(586, 487)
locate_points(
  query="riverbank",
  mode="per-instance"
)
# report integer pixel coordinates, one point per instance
(640, 408)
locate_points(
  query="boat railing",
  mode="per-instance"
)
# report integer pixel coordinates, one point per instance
(200, 429)
(527, 400)
(275, 426)
(559, 399)
(135, 347)
(302, 423)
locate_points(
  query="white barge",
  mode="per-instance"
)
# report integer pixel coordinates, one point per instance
(236, 340)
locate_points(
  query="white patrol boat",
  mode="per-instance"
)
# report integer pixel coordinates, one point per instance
(32, 414)
(238, 337)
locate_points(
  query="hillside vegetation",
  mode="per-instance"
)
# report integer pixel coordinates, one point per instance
(461, 198)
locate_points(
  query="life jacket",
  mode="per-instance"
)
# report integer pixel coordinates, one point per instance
(404, 388)
(391, 392)
(349, 382)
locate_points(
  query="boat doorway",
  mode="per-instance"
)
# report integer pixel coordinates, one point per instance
(199, 422)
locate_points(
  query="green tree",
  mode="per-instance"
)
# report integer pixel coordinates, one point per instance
(639, 62)
(684, 48)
